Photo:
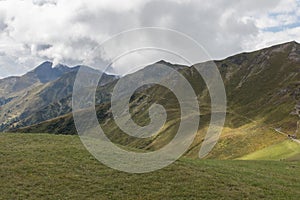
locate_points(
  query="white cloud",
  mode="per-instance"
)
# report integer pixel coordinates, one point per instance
(68, 31)
(264, 39)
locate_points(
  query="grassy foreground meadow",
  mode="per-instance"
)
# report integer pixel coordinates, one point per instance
(42, 166)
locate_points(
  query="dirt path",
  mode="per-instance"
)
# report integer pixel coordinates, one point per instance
(275, 129)
(278, 131)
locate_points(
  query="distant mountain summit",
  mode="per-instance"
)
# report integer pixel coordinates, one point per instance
(45, 72)
(41, 94)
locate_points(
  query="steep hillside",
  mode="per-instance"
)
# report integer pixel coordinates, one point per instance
(262, 90)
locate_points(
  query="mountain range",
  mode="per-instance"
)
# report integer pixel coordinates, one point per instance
(263, 90)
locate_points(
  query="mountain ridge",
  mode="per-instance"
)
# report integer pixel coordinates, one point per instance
(48, 86)
(261, 88)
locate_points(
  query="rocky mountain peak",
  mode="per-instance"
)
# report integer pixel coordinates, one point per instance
(45, 72)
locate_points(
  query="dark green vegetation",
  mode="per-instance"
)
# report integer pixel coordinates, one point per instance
(42, 166)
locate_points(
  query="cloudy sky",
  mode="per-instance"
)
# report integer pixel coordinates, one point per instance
(66, 31)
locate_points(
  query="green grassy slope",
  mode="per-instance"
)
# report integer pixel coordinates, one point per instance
(283, 150)
(41, 166)
(262, 90)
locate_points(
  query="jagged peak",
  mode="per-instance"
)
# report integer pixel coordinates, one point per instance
(46, 72)
(46, 64)
(294, 42)
(163, 62)
(59, 65)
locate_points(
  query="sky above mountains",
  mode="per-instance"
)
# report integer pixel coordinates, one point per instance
(65, 31)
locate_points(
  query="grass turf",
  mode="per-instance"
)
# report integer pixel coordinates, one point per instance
(41, 166)
(283, 150)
